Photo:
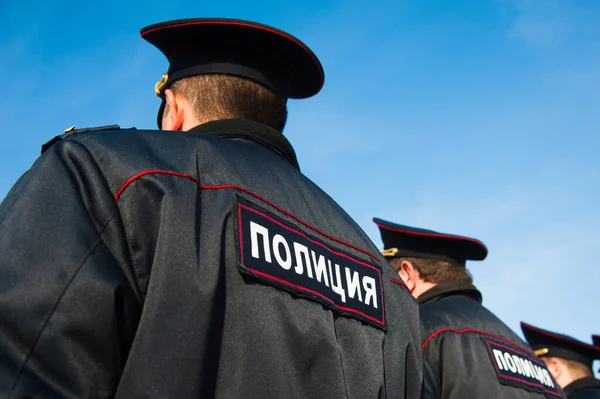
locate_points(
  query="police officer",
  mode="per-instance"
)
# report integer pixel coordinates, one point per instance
(467, 351)
(569, 360)
(596, 341)
(198, 261)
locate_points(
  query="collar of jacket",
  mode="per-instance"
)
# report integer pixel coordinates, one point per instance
(448, 289)
(250, 130)
(582, 383)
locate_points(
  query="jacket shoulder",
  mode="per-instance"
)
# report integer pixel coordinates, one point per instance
(461, 315)
(72, 131)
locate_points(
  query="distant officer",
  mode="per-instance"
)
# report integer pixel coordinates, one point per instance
(596, 340)
(198, 262)
(569, 361)
(467, 351)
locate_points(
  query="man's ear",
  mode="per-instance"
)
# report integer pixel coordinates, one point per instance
(555, 367)
(173, 114)
(409, 274)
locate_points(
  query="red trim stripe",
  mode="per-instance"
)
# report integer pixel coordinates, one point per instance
(469, 330)
(559, 337)
(472, 330)
(381, 297)
(310, 239)
(245, 190)
(420, 233)
(520, 352)
(282, 34)
(395, 281)
(152, 172)
(530, 356)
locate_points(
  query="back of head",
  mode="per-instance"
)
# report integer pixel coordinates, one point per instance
(219, 96)
(576, 369)
(435, 270)
(566, 371)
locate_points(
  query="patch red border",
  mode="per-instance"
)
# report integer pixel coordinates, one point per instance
(529, 356)
(381, 322)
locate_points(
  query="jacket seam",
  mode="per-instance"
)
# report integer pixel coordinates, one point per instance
(468, 330)
(118, 210)
(58, 301)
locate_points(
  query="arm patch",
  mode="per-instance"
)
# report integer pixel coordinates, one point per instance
(521, 369)
(279, 253)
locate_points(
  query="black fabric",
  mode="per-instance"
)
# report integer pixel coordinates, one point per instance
(584, 388)
(220, 57)
(415, 242)
(72, 131)
(445, 289)
(257, 132)
(120, 278)
(560, 345)
(456, 331)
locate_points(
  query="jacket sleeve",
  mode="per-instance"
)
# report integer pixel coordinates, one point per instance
(68, 300)
(403, 362)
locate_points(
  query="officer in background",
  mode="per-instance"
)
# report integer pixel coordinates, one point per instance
(596, 341)
(198, 261)
(569, 360)
(467, 351)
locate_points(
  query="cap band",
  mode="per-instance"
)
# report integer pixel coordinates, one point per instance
(555, 351)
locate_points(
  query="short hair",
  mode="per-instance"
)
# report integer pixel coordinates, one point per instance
(575, 367)
(218, 96)
(436, 270)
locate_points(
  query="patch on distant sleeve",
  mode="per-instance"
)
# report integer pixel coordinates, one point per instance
(521, 369)
(279, 253)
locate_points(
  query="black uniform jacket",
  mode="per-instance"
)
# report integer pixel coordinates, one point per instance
(469, 353)
(149, 264)
(584, 388)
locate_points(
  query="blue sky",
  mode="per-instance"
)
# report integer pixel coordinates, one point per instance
(469, 117)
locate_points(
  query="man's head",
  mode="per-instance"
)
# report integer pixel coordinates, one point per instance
(566, 358)
(566, 371)
(425, 258)
(224, 68)
(421, 274)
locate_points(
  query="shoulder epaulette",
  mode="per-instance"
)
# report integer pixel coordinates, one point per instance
(72, 131)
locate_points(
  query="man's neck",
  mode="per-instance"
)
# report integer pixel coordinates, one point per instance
(569, 377)
(422, 287)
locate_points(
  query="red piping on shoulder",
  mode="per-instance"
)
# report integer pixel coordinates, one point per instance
(152, 172)
(469, 330)
(234, 187)
(396, 281)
